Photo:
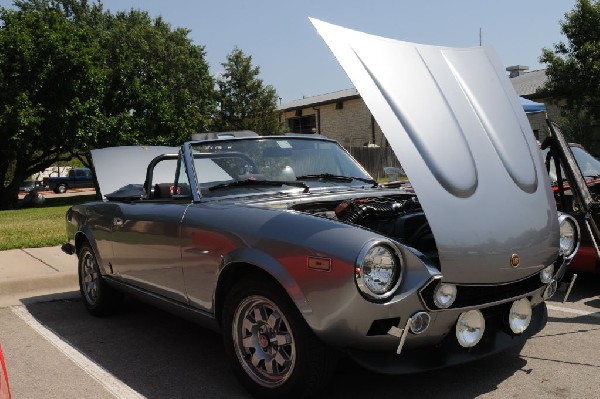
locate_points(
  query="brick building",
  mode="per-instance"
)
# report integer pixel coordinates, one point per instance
(343, 115)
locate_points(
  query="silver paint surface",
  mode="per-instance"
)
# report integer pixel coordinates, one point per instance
(455, 124)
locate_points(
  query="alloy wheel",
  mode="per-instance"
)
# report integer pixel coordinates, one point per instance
(89, 278)
(263, 341)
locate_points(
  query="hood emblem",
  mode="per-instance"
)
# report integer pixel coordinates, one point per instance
(515, 260)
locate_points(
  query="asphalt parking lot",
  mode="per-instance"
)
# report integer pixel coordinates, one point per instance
(54, 349)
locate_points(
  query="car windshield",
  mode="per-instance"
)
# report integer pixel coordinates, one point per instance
(273, 165)
(589, 166)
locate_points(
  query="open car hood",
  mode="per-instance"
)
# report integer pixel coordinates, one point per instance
(117, 167)
(456, 125)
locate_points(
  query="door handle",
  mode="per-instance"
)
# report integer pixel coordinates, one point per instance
(117, 222)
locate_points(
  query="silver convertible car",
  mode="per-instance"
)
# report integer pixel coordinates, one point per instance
(286, 245)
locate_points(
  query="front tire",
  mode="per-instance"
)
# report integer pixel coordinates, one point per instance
(61, 189)
(271, 348)
(99, 298)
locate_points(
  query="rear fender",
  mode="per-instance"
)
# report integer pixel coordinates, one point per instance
(84, 234)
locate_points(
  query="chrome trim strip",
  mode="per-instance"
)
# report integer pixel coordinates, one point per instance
(480, 305)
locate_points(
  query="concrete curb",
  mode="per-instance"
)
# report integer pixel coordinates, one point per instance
(32, 272)
(64, 282)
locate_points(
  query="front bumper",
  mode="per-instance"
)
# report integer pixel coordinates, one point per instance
(448, 352)
(373, 333)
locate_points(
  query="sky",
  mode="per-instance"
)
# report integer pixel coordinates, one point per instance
(296, 62)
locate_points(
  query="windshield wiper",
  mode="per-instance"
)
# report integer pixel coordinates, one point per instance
(255, 182)
(329, 176)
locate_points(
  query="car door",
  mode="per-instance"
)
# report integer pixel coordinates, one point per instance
(83, 178)
(146, 246)
(146, 236)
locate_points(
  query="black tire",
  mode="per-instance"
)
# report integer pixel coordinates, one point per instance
(293, 363)
(99, 298)
(61, 189)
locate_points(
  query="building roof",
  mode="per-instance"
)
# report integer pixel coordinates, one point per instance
(327, 98)
(529, 83)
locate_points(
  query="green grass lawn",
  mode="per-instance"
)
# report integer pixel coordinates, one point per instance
(41, 226)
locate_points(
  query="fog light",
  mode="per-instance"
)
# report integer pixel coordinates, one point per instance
(444, 295)
(469, 328)
(519, 316)
(547, 274)
(419, 322)
(550, 289)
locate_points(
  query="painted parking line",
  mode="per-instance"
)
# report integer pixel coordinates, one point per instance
(111, 383)
(573, 311)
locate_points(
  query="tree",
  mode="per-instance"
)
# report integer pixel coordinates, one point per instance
(573, 68)
(159, 90)
(75, 77)
(49, 83)
(245, 103)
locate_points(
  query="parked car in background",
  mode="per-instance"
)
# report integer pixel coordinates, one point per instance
(76, 178)
(31, 185)
(286, 245)
(586, 259)
(4, 386)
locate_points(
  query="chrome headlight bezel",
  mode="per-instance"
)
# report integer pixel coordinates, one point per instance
(363, 266)
(565, 220)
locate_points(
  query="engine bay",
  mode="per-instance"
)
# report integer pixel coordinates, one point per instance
(399, 218)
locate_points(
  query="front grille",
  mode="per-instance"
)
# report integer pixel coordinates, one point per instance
(477, 295)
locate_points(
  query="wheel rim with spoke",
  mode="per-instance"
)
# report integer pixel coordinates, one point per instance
(263, 341)
(89, 278)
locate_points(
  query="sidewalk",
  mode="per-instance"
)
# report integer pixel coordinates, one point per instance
(33, 272)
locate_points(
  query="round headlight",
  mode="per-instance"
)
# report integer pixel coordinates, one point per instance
(569, 235)
(377, 270)
(444, 295)
(469, 328)
(520, 315)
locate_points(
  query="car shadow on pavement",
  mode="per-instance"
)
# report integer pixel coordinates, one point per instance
(587, 286)
(160, 355)
(155, 353)
(586, 290)
(463, 381)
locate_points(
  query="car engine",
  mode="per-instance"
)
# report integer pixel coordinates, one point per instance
(401, 219)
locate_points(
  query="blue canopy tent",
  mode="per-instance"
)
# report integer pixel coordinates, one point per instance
(531, 107)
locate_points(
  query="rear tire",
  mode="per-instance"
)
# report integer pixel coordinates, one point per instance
(272, 350)
(99, 298)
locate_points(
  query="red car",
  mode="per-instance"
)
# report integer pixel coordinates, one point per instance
(4, 387)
